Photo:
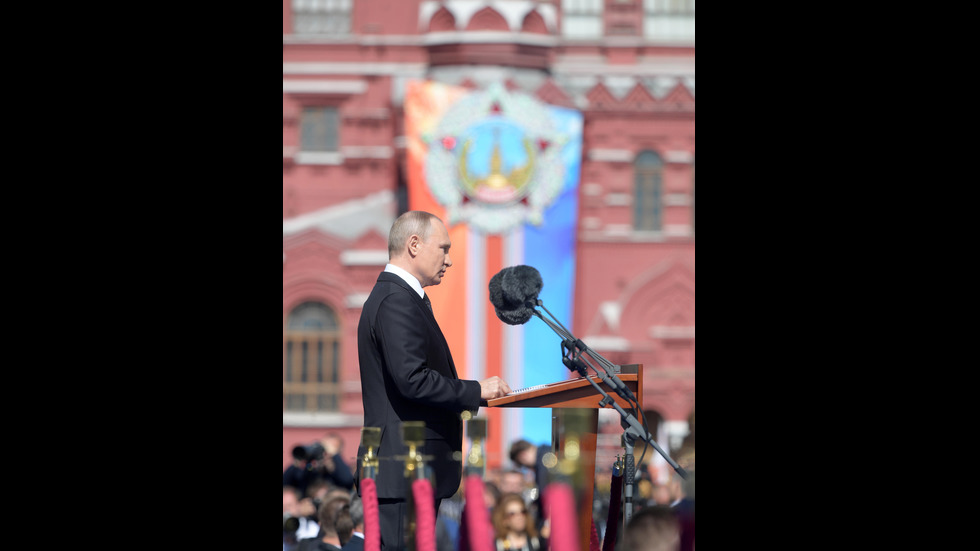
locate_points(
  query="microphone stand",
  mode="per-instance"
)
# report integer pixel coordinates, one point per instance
(633, 428)
(573, 344)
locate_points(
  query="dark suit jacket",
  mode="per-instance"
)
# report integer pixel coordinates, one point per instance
(355, 543)
(408, 374)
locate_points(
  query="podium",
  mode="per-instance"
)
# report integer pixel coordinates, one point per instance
(580, 396)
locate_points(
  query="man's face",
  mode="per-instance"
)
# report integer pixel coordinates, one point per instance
(512, 483)
(527, 457)
(432, 258)
(289, 503)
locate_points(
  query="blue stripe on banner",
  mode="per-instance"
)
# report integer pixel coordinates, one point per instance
(551, 249)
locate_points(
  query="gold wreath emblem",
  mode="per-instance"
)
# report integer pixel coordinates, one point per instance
(517, 178)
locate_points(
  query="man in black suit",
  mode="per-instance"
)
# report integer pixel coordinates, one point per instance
(407, 370)
(355, 542)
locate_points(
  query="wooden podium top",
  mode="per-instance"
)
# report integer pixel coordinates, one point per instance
(572, 393)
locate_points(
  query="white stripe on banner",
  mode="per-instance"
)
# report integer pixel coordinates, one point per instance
(513, 343)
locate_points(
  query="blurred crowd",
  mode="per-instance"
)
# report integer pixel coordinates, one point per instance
(321, 509)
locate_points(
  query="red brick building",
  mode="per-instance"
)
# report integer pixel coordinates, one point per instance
(626, 65)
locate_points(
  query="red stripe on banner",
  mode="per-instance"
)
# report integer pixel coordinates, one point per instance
(424, 106)
(494, 359)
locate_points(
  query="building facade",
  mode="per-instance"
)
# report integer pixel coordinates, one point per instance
(626, 65)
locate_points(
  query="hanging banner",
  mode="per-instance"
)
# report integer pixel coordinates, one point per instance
(502, 169)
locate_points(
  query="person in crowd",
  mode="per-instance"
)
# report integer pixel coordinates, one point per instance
(683, 506)
(327, 539)
(355, 542)
(297, 474)
(448, 521)
(653, 528)
(317, 464)
(512, 481)
(344, 525)
(407, 370)
(330, 466)
(298, 518)
(491, 495)
(528, 458)
(662, 494)
(513, 526)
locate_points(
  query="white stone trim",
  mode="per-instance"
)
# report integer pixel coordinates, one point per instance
(617, 199)
(356, 300)
(367, 151)
(677, 230)
(671, 332)
(618, 230)
(611, 155)
(319, 158)
(599, 343)
(683, 157)
(364, 257)
(592, 190)
(353, 68)
(494, 37)
(318, 419)
(349, 87)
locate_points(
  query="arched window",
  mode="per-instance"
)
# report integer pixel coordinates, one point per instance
(311, 371)
(647, 192)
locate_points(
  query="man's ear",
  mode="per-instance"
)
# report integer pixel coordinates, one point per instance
(414, 243)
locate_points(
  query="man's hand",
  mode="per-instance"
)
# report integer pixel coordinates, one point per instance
(494, 387)
(306, 507)
(331, 447)
(332, 444)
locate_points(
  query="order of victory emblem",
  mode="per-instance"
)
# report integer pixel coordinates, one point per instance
(494, 160)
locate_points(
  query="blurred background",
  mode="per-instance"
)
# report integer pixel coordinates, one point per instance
(553, 133)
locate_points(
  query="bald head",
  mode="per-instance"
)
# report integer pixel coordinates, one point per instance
(413, 222)
(419, 243)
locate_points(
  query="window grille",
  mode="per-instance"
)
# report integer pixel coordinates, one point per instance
(319, 129)
(311, 370)
(668, 19)
(321, 16)
(647, 194)
(581, 18)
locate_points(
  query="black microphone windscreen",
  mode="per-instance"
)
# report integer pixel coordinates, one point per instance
(510, 290)
(515, 316)
(520, 284)
(496, 293)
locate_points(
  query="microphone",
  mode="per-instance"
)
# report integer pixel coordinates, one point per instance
(514, 295)
(514, 292)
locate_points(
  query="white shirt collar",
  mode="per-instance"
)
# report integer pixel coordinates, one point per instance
(409, 278)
